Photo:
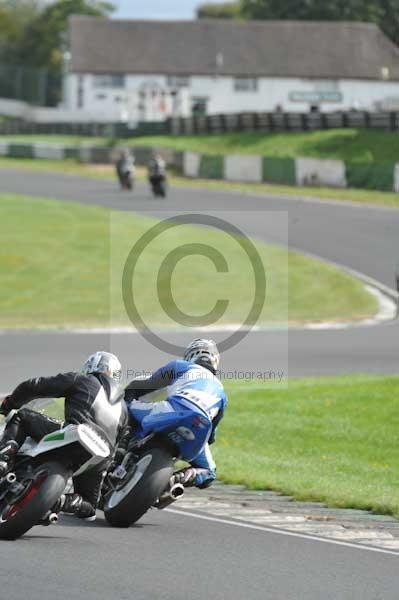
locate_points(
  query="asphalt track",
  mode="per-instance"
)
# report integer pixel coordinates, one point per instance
(176, 556)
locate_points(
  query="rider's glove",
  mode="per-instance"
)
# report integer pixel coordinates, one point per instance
(186, 477)
(4, 406)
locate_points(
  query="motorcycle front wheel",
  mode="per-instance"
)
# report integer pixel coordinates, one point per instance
(149, 478)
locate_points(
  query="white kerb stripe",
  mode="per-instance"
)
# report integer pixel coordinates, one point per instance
(303, 536)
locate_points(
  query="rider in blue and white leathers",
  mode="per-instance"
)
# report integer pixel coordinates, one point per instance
(192, 380)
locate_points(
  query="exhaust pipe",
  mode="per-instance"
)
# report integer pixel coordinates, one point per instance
(11, 478)
(53, 518)
(175, 492)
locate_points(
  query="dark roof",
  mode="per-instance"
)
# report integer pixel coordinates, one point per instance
(329, 50)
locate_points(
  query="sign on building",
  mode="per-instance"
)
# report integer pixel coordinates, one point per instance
(315, 97)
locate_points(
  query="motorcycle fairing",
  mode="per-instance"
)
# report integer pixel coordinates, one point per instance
(186, 425)
(71, 434)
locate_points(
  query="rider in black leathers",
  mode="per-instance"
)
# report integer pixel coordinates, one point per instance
(156, 169)
(124, 165)
(91, 397)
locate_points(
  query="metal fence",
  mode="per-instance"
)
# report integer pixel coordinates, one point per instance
(267, 122)
(280, 121)
(108, 130)
(22, 83)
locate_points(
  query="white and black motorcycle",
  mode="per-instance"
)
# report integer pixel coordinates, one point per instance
(39, 476)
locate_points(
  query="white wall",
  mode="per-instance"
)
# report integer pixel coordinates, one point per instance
(126, 101)
(223, 98)
(220, 91)
(38, 114)
(13, 108)
(275, 92)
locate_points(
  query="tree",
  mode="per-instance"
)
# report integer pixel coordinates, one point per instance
(383, 12)
(227, 10)
(312, 10)
(14, 17)
(389, 18)
(41, 38)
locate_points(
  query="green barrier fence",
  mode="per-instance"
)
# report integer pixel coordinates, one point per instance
(100, 155)
(370, 176)
(21, 151)
(211, 167)
(279, 170)
(71, 152)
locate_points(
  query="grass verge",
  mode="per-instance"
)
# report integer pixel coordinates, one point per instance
(331, 440)
(61, 264)
(71, 167)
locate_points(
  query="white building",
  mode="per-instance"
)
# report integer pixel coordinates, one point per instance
(149, 70)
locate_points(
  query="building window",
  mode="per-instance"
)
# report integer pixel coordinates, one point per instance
(174, 81)
(199, 106)
(109, 81)
(245, 84)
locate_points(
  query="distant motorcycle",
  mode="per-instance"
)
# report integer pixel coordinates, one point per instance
(158, 185)
(141, 474)
(157, 176)
(126, 180)
(125, 172)
(30, 490)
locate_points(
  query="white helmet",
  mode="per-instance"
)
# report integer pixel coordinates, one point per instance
(203, 352)
(103, 362)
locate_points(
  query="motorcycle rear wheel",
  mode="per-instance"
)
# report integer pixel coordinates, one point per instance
(127, 505)
(48, 482)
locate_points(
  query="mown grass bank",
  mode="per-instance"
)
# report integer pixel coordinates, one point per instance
(328, 439)
(352, 145)
(61, 265)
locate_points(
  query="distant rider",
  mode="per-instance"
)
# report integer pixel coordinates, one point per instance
(125, 164)
(156, 167)
(192, 379)
(91, 397)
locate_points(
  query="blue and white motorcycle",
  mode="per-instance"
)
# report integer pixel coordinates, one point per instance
(40, 475)
(140, 478)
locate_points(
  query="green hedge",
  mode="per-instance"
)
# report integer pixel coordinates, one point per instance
(370, 176)
(279, 170)
(211, 167)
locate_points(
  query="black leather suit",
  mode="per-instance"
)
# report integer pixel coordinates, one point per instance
(90, 399)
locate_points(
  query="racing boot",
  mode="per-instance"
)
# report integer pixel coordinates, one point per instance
(8, 450)
(73, 504)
